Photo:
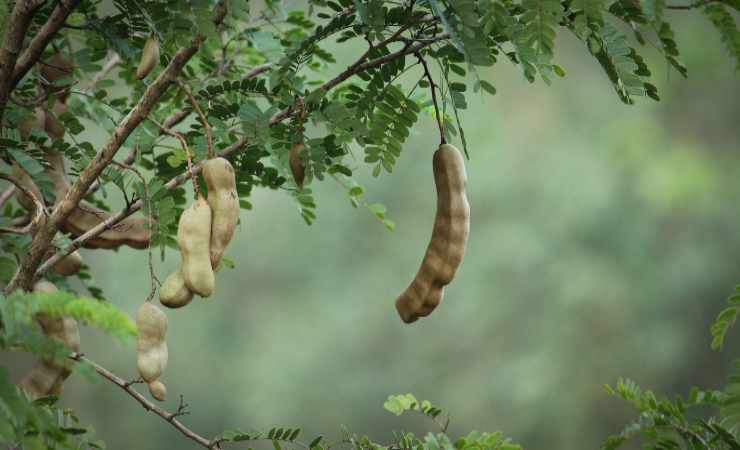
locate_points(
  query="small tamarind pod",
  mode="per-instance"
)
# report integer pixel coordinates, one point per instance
(297, 168)
(57, 67)
(47, 377)
(37, 120)
(151, 347)
(193, 239)
(67, 266)
(131, 231)
(174, 293)
(149, 58)
(224, 202)
(53, 126)
(449, 236)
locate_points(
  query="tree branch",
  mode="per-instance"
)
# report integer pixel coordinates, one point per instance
(39, 42)
(7, 194)
(17, 25)
(170, 417)
(104, 71)
(39, 212)
(203, 119)
(236, 146)
(25, 274)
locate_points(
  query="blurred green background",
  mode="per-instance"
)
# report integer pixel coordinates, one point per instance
(604, 240)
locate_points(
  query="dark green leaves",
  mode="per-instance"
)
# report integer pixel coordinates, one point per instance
(725, 24)
(725, 320)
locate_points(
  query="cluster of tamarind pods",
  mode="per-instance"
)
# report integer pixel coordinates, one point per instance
(204, 231)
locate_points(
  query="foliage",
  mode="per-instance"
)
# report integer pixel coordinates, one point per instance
(40, 423)
(664, 424)
(260, 76)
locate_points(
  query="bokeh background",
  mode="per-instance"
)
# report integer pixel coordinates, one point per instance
(604, 240)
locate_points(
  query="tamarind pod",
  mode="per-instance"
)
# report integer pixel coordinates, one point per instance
(446, 247)
(57, 173)
(25, 180)
(41, 380)
(149, 58)
(131, 231)
(53, 126)
(224, 202)
(174, 293)
(193, 239)
(297, 167)
(57, 67)
(37, 120)
(67, 266)
(157, 389)
(47, 377)
(151, 347)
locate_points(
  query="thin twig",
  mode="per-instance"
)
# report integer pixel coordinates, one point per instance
(109, 65)
(40, 210)
(433, 88)
(170, 417)
(150, 224)
(203, 119)
(6, 195)
(185, 148)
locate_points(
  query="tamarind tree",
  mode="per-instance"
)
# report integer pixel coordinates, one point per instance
(173, 84)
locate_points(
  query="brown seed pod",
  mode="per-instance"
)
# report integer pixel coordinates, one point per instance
(67, 266)
(449, 236)
(149, 58)
(53, 126)
(296, 164)
(151, 347)
(193, 239)
(131, 231)
(56, 68)
(224, 203)
(37, 120)
(174, 293)
(47, 377)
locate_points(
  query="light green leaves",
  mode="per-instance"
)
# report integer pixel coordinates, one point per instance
(17, 311)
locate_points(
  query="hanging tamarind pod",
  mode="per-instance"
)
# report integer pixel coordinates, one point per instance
(68, 266)
(36, 120)
(149, 58)
(193, 239)
(52, 71)
(449, 236)
(47, 377)
(174, 293)
(151, 348)
(224, 202)
(53, 126)
(131, 231)
(297, 168)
